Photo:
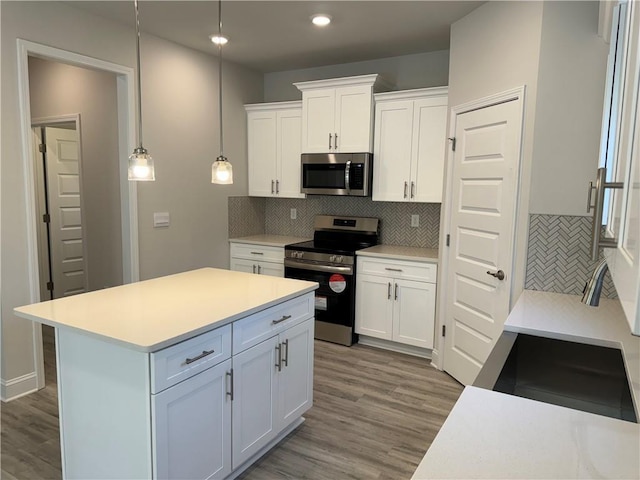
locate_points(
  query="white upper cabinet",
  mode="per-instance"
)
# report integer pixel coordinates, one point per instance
(337, 114)
(619, 153)
(273, 132)
(409, 145)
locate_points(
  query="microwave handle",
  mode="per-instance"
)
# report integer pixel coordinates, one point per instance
(347, 181)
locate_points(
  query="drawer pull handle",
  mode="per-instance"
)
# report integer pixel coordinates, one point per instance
(257, 253)
(202, 355)
(393, 269)
(284, 317)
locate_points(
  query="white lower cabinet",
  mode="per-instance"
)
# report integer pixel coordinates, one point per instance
(259, 259)
(395, 301)
(273, 386)
(192, 427)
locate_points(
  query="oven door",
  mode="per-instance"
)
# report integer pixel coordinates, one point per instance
(334, 299)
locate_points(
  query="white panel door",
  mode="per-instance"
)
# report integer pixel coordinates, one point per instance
(255, 383)
(429, 133)
(484, 195)
(414, 313)
(289, 147)
(295, 385)
(261, 145)
(192, 427)
(353, 119)
(66, 236)
(392, 151)
(374, 306)
(318, 113)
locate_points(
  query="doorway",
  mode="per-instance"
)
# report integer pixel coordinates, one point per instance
(127, 235)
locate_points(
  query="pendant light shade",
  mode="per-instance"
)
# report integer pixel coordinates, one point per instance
(221, 170)
(140, 162)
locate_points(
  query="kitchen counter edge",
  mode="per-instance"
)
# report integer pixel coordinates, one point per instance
(400, 252)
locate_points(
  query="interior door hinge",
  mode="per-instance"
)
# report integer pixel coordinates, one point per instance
(448, 239)
(42, 148)
(46, 218)
(453, 143)
(50, 286)
(444, 330)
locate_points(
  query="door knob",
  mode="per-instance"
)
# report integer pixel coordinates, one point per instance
(499, 274)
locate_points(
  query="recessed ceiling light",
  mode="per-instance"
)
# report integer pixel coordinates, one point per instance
(321, 20)
(218, 39)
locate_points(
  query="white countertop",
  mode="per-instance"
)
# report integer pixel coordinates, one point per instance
(269, 240)
(564, 317)
(154, 314)
(494, 435)
(399, 252)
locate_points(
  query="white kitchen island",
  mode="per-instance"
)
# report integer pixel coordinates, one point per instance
(194, 375)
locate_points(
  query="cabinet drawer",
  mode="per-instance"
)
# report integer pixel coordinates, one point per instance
(256, 328)
(257, 252)
(181, 361)
(421, 272)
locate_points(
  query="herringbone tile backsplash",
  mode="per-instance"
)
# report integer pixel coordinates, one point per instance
(395, 218)
(558, 258)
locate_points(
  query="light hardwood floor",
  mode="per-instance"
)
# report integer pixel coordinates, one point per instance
(375, 413)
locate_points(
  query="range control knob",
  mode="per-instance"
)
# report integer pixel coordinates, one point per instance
(299, 254)
(332, 258)
(339, 258)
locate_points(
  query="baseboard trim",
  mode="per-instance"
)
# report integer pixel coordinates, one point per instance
(395, 346)
(435, 359)
(18, 387)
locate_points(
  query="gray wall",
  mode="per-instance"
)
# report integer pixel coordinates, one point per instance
(403, 73)
(180, 131)
(58, 89)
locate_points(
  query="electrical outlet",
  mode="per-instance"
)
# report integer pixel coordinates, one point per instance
(415, 220)
(294, 214)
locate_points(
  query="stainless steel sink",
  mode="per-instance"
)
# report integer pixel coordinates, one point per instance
(575, 375)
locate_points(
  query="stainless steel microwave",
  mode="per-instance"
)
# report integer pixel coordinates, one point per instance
(337, 174)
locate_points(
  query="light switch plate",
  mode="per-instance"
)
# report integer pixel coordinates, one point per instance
(161, 219)
(415, 220)
(294, 214)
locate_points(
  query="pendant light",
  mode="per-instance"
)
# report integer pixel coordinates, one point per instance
(140, 162)
(221, 170)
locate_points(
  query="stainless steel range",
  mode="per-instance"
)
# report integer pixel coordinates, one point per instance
(329, 259)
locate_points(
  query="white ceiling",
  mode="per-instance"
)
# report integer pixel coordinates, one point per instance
(270, 36)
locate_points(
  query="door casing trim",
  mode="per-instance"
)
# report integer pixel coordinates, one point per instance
(128, 190)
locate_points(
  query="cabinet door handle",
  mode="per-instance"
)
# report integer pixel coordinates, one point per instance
(329, 141)
(413, 187)
(254, 269)
(335, 141)
(277, 187)
(284, 317)
(389, 291)
(230, 377)
(285, 359)
(393, 269)
(405, 189)
(271, 187)
(279, 361)
(258, 269)
(395, 292)
(202, 355)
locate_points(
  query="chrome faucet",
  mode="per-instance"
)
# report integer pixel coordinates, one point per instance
(593, 288)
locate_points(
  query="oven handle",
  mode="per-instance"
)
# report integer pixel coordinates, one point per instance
(317, 268)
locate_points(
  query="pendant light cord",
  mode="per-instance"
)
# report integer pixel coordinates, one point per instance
(139, 80)
(220, 74)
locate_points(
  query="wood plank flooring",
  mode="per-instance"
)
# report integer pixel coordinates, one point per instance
(375, 414)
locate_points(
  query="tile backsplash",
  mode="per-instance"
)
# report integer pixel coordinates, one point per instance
(558, 257)
(395, 218)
